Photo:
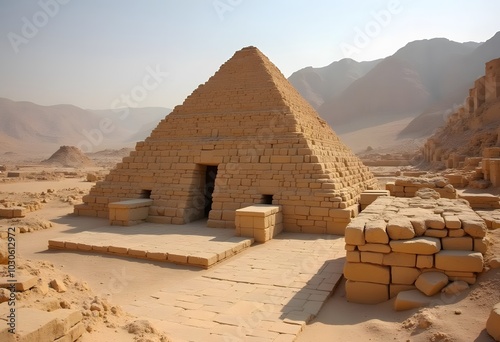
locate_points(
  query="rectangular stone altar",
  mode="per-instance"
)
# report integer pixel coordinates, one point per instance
(261, 221)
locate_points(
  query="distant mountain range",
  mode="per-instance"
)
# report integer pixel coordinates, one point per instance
(409, 94)
(30, 128)
(422, 80)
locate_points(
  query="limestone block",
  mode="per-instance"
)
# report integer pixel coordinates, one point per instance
(118, 250)
(455, 287)
(355, 232)
(418, 225)
(493, 322)
(366, 293)
(475, 228)
(38, 325)
(461, 261)
(367, 273)
(404, 275)
(481, 245)
(436, 233)
(372, 258)
(425, 261)
(375, 232)
(400, 228)
(350, 247)
(23, 282)
(395, 289)
(375, 247)
(412, 299)
(419, 245)
(369, 196)
(204, 260)
(58, 285)
(54, 244)
(161, 256)
(353, 256)
(452, 222)
(456, 232)
(431, 283)
(399, 259)
(435, 222)
(177, 258)
(465, 243)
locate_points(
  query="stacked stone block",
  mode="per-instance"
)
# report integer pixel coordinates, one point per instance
(266, 142)
(129, 212)
(261, 222)
(396, 240)
(408, 186)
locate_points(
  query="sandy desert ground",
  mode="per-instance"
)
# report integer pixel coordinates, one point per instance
(118, 281)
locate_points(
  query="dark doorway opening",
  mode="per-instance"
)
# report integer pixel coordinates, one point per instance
(210, 175)
(267, 199)
(146, 194)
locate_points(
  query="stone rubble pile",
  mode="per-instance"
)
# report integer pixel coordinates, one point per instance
(403, 244)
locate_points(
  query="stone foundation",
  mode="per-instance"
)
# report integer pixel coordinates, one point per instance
(396, 240)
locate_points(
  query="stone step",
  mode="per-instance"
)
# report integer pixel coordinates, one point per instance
(194, 244)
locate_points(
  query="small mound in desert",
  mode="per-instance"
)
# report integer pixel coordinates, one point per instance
(69, 156)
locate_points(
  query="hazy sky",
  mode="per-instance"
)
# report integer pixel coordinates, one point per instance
(105, 53)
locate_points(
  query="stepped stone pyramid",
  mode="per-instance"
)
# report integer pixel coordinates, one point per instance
(246, 136)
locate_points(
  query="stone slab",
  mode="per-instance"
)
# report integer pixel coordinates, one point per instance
(22, 282)
(279, 286)
(412, 299)
(366, 293)
(460, 261)
(193, 244)
(419, 245)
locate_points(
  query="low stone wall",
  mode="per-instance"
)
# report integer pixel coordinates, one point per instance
(408, 186)
(396, 240)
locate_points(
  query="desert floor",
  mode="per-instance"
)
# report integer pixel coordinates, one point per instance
(122, 281)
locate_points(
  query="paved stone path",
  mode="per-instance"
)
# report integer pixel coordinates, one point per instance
(266, 293)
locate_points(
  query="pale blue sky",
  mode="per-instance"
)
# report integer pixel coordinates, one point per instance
(91, 53)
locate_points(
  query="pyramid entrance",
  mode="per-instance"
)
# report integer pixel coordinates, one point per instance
(209, 186)
(245, 137)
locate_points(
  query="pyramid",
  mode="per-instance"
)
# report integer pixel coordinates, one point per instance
(246, 136)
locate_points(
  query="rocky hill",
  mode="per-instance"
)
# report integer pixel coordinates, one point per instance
(319, 85)
(69, 156)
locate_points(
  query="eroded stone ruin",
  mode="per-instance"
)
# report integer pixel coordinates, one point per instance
(470, 140)
(414, 247)
(244, 137)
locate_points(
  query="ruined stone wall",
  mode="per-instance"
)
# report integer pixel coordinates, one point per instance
(408, 186)
(470, 117)
(265, 141)
(396, 240)
(492, 80)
